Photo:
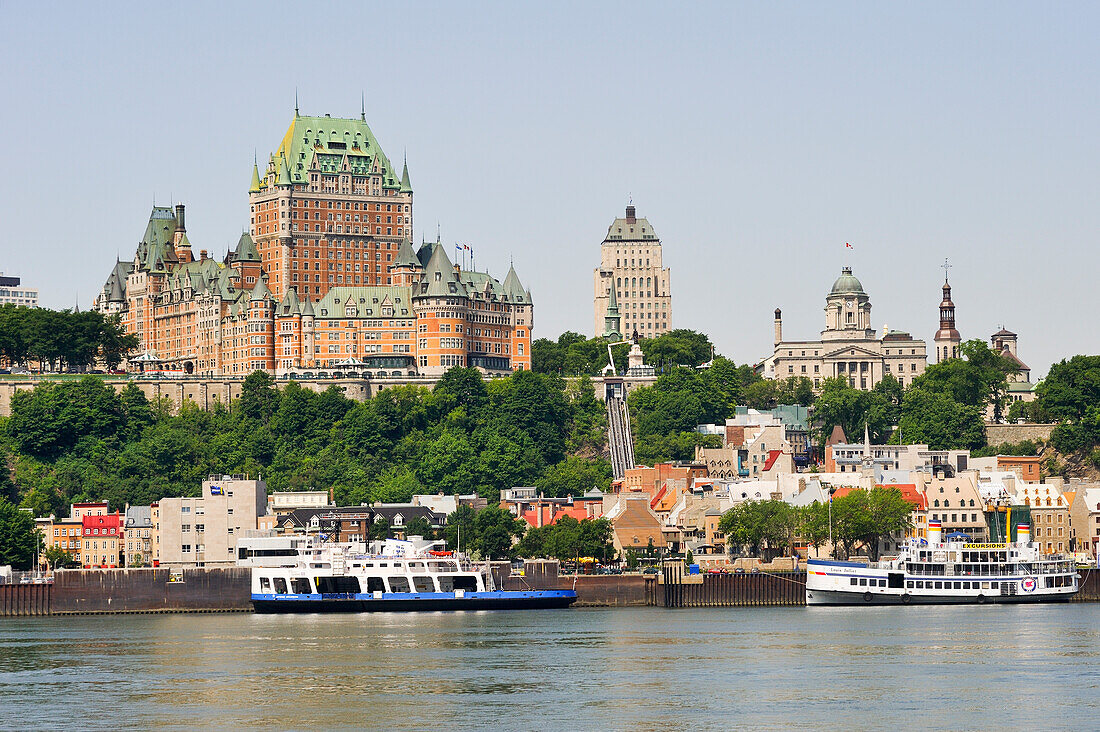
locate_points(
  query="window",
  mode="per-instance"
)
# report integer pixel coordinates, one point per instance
(186, 548)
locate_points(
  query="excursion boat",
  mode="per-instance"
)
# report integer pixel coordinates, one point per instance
(293, 575)
(937, 572)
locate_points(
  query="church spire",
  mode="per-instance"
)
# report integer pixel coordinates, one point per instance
(947, 337)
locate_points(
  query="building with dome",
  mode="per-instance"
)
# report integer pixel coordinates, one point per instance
(849, 347)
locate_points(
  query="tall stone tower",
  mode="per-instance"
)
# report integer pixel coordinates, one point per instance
(630, 261)
(947, 338)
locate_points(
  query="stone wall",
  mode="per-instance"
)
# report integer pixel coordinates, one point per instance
(1000, 434)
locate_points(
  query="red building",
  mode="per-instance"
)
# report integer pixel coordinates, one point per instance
(101, 541)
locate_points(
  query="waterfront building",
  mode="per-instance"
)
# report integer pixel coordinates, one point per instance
(138, 536)
(446, 505)
(281, 503)
(849, 347)
(957, 504)
(12, 292)
(635, 525)
(65, 534)
(631, 270)
(101, 541)
(326, 279)
(1050, 515)
(1085, 517)
(202, 531)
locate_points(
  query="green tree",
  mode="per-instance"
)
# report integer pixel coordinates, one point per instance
(935, 419)
(842, 404)
(761, 525)
(57, 558)
(678, 347)
(978, 380)
(259, 398)
(1071, 388)
(19, 538)
(496, 528)
(419, 526)
(574, 476)
(864, 518)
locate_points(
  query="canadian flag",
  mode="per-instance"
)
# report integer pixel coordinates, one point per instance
(849, 246)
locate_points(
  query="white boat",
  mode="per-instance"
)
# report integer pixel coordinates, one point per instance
(933, 571)
(295, 575)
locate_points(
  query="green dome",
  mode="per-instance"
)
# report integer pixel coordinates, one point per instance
(847, 283)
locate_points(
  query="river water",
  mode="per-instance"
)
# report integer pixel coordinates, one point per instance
(969, 667)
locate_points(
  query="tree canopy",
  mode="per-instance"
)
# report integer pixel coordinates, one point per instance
(62, 339)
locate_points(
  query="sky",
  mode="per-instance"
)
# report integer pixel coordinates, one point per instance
(757, 138)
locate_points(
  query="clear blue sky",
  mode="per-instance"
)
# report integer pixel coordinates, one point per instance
(757, 138)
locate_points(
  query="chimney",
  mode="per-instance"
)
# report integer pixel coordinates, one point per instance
(179, 217)
(202, 255)
(778, 326)
(630, 217)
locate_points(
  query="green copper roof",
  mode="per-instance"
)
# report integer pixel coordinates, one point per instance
(406, 186)
(246, 249)
(255, 187)
(847, 284)
(332, 141)
(406, 257)
(289, 304)
(307, 308)
(260, 291)
(512, 287)
(284, 173)
(439, 276)
(365, 302)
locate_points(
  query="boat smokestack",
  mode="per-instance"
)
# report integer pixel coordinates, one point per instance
(935, 534)
(1023, 534)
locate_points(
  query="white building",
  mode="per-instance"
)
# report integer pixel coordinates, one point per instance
(849, 347)
(13, 293)
(202, 531)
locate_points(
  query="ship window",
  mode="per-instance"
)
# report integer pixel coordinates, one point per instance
(327, 585)
(399, 584)
(854, 581)
(280, 586)
(939, 586)
(985, 585)
(416, 566)
(863, 583)
(909, 584)
(966, 585)
(265, 584)
(300, 586)
(375, 584)
(424, 584)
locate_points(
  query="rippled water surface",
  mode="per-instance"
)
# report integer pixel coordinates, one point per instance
(1022, 667)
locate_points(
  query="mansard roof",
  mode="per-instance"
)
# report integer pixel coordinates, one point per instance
(330, 145)
(368, 302)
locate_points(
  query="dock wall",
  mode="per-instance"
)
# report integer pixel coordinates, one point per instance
(151, 590)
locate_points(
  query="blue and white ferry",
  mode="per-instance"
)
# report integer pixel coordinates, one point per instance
(937, 572)
(293, 575)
